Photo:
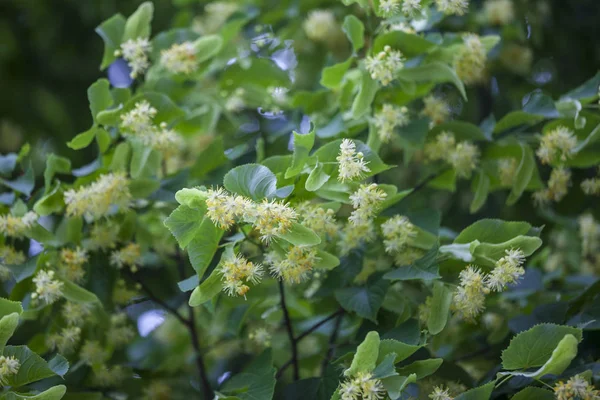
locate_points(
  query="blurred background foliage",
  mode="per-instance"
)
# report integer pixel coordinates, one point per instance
(49, 55)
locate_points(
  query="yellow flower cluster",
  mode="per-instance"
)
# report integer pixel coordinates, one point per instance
(65, 341)
(388, 118)
(437, 109)
(92, 353)
(103, 235)
(591, 186)
(458, 7)
(469, 298)
(97, 199)
(17, 227)
(237, 272)
(589, 232)
(75, 313)
(261, 337)
(558, 187)
(362, 387)
(120, 332)
(135, 52)
(576, 387)
(499, 12)
(128, 256)
(9, 366)
(105, 376)
(397, 231)
(138, 123)
(366, 201)
(47, 288)
(352, 164)
(270, 218)
(320, 25)
(557, 145)
(389, 8)
(462, 156)
(440, 393)
(411, 7)
(71, 264)
(215, 15)
(122, 294)
(469, 63)
(507, 170)
(9, 256)
(384, 65)
(180, 58)
(353, 235)
(296, 265)
(320, 220)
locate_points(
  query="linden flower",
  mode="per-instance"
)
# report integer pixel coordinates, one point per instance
(103, 235)
(9, 256)
(575, 388)
(366, 201)
(499, 12)
(128, 256)
(75, 313)
(507, 170)
(139, 119)
(508, 270)
(96, 199)
(261, 337)
(71, 266)
(589, 231)
(439, 149)
(319, 219)
(236, 272)
(354, 234)
(388, 118)
(410, 7)
(557, 144)
(517, 58)
(296, 266)
(384, 65)
(458, 7)
(408, 256)
(591, 186)
(464, 159)
(66, 340)
(180, 58)
(470, 60)
(119, 333)
(397, 231)
(389, 7)
(135, 52)
(9, 366)
(122, 295)
(400, 26)
(215, 15)
(320, 25)
(105, 377)
(469, 299)
(92, 353)
(558, 184)
(273, 218)
(17, 227)
(440, 393)
(235, 102)
(47, 288)
(223, 209)
(437, 109)
(362, 386)
(351, 164)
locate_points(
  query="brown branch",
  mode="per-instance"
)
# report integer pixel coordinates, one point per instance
(290, 331)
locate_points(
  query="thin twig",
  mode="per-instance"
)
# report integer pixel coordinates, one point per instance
(290, 331)
(332, 339)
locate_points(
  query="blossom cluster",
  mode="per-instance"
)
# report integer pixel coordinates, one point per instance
(135, 52)
(499, 12)
(71, 264)
(436, 109)
(557, 145)
(458, 7)
(591, 186)
(352, 164)
(558, 187)
(576, 387)
(180, 58)
(237, 272)
(320, 25)
(384, 65)
(97, 199)
(17, 227)
(388, 118)
(47, 288)
(389, 8)
(128, 256)
(469, 298)
(9, 256)
(462, 156)
(363, 386)
(470, 61)
(9, 366)
(397, 234)
(319, 219)
(295, 266)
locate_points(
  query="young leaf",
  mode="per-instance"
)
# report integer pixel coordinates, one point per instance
(208, 289)
(433, 72)
(355, 31)
(111, 32)
(401, 350)
(303, 143)
(366, 355)
(251, 180)
(33, 367)
(482, 189)
(421, 368)
(8, 324)
(365, 300)
(480, 393)
(523, 174)
(332, 76)
(138, 24)
(366, 95)
(54, 393)
(534, 393)
(492, 231)
(440, 307)
(299, 235)
(316, 179)
(207, 47)
(394, 385)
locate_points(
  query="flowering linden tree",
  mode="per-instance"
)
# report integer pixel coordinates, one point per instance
(309, 200)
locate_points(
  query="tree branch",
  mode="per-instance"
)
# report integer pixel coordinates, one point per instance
(332, 339)
(290, 331)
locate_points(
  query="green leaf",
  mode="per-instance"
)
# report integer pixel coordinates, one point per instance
(523, 174)
(488, 254)
(440, 307)
(365, 300)
(517, 118)
(99, 97)
(208, 289)
(251, 180)
(426, 268)
(299, 235)
(203, 246)
(212, 157)
(54, 393)
(316, 179)
(421, 368)
(386, 368)
(192, 198)
(332, 76)
(23, 184)
(559, 361)
(256, 382)
(59, 365)
(121, 157)
(111, 32)
(55, 164)
(51, 202)
(303, 143)
(326, 261)
(587, 92)
(482, 189)
(8, 163)
(534, 347)
(77, 294)
(138, 24)
(480, 393)
(492, 231)
(355, 31)
(8, 307)
(185, 223)
(83, 140)
(394, 385)
(409, 44)
(401, 350)
(534, 393)
(366, 95)
(33, 367)
(207, 47)
(8, 324)
(145, 161)
(366, 355)
(434, 72)
(142, 188)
